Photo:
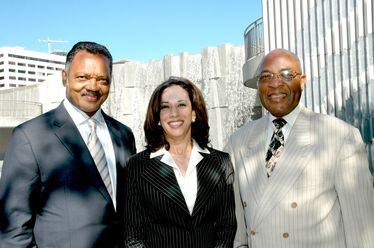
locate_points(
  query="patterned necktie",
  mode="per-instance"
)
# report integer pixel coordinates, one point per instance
(98, 155)
(276, 146)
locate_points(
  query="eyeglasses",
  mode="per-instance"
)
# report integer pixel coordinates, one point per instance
(286, 75)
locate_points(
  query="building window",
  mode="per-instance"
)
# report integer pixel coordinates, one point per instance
(13, 85)
(1, 70)
(1, 55)
(49, 68)
(17, 56)
(21, 78)
(41, 74)
(21, 64)
(1, 78)
(58, 69)
(11, 62)
(40, 80)
(32, 79)
(12, 78)
(21, 71)
(41, 66)
(31, 65)
(2, 85)
(12, 70)
(36, 59)
(21, 85)
(1, 62)
(31, 72)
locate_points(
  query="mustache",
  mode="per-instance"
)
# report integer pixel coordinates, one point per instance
(94, 93)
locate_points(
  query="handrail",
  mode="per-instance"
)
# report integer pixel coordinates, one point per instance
(254, 39)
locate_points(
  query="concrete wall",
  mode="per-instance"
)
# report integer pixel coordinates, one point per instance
(217, 71)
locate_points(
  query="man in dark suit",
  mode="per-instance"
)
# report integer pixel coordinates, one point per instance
(54, 191)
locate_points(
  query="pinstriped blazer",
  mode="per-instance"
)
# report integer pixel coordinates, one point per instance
(319, 195)
(156, 214)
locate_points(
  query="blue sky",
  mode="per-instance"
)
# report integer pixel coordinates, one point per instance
(137, 30)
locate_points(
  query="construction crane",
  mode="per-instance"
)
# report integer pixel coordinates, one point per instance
(49, 41)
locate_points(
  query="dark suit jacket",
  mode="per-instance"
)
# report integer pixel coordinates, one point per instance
(51, 192)
(156, 214)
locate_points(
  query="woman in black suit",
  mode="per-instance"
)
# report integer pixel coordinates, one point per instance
(179, 192)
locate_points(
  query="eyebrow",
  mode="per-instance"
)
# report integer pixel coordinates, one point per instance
(180, 100)
(283, 69)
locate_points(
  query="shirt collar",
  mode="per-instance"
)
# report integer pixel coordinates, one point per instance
(290, 118)
(79, 117)
(195, 146)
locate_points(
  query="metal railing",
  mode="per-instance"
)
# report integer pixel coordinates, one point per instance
(254, 39)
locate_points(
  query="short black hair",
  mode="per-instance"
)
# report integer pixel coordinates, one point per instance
(90, 47)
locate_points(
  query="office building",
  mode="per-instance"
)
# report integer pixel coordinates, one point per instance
(20, 67)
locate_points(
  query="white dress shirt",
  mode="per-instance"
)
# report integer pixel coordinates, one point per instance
(80, 120)
(188, 182)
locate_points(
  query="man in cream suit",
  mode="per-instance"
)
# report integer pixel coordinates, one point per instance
(313, 187)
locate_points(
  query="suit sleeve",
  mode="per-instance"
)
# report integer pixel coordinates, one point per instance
(226, 223)
(19, 192)
(355, 191)
(241, 234)
(135, 219)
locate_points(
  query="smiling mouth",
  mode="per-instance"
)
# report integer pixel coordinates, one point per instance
(175, 124)
(277, 96)
(91, 97)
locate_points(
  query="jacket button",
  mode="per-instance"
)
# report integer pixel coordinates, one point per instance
(285, 235)
(244, 204)
(253, 232)
(293, 205)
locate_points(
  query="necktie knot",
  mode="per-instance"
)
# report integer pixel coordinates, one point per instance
(92, 125)
(279, 123)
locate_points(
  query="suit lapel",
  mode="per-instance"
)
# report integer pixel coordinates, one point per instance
(292, 162)
(253, 157)
(69, 135)
(118, 145)
(208, 176)
(119, 151)
(162, 177)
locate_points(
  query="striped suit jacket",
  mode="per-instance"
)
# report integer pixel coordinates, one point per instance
(156, 214)
(319, 195)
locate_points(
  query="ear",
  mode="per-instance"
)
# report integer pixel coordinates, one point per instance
(64, 77)
(193, 115)
(302, 81)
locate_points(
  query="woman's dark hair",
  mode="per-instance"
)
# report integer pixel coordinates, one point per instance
(154, 133)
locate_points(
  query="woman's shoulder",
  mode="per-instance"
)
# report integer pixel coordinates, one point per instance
(139, 157)
(218, 153)
(224, 161)
(141, 154)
